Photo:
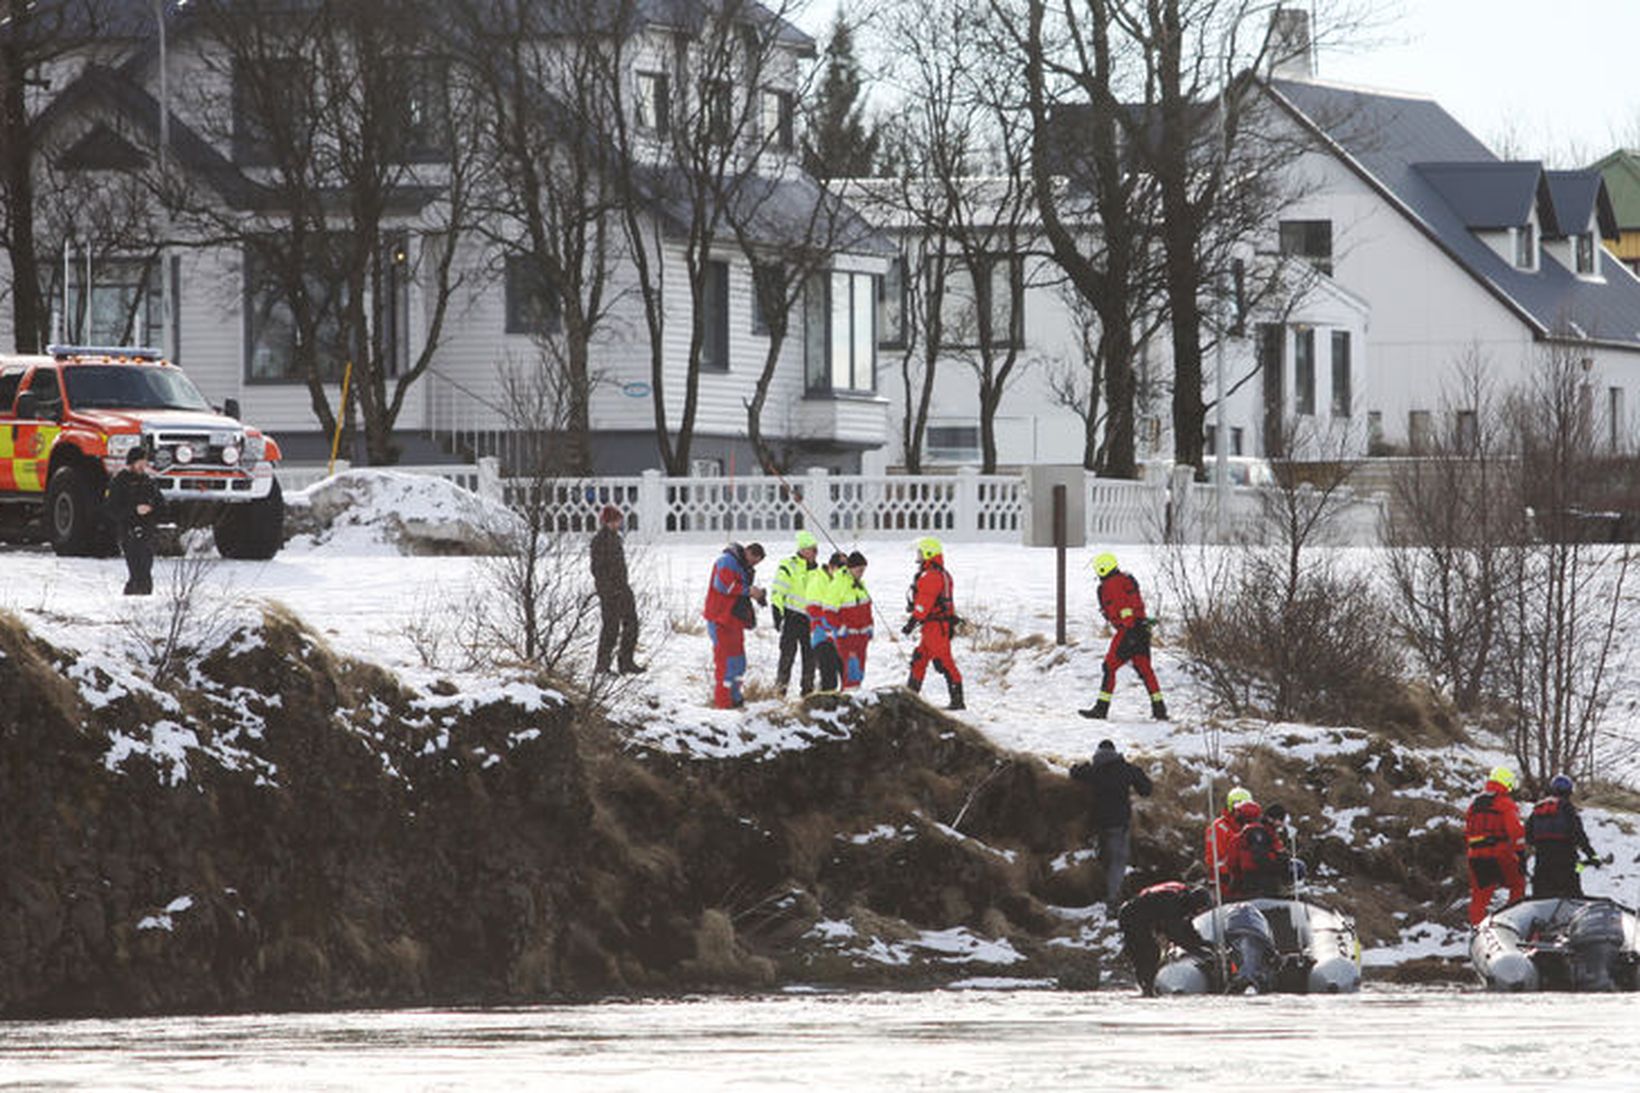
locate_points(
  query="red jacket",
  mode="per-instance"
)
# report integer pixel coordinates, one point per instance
(1492, 827)
(1216, 846)
(931, 593)
(1120, 601)
(731, 581)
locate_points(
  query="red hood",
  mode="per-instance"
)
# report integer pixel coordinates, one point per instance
(1497, 788)
(127, 421)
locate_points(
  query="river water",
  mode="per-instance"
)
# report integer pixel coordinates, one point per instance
(1382, 1038)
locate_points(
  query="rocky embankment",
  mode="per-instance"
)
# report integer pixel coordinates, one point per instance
(287, 828)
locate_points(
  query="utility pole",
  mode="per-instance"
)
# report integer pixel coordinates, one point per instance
(166, 288)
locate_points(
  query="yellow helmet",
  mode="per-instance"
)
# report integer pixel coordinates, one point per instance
(1105, 565)
(929, 547)
(1503, 776)
(1236, 796)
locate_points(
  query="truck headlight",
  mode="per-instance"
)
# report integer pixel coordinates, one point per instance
(120, 444)
(256, 447)
(230, 455)
(185, 453)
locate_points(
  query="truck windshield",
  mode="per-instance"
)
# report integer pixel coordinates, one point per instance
(131, 387)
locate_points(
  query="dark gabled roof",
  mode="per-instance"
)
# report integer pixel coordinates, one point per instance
(1490, 196)
(114, 91)
(1580, 197)
(791, 210)
(1388, 139)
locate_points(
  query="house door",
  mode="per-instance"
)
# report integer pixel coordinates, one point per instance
(1272, 338)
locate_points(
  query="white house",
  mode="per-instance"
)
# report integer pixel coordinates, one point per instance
(102, 125)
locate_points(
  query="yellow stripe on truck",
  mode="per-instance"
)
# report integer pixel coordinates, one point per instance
(5, 440)
(31, 472)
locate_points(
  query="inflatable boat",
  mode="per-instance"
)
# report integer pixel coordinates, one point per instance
(1268, 945)
(1581, 944)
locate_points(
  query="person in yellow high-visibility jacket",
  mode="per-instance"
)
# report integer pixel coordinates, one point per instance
(788, 596)
(824, 592)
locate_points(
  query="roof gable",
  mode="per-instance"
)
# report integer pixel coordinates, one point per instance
(1489, 196)
(102, 149)
(1621, 172)
(1390, 141)
(1579, 197)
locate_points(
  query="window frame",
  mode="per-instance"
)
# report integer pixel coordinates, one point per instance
(784, 136)
(657, 100)
(255, 319)
(717, 108)
(525, 283)
(253, 136)
(714, 303)
(1310, 240)
(1585, 255)
(1526, 247)
(1304, 371)
(983, 297)
(1343, 387)
(820, 341)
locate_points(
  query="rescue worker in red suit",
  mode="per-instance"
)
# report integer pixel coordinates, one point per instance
(1495, 842)
(1555, 833)
(1124, 608)
(1259, 862)
(931, 608)
(1221, 832)
(854, 618)
(729, 613)
(1164, 909)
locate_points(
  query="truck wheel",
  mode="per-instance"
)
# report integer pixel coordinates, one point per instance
(72, 514)
(253, 531)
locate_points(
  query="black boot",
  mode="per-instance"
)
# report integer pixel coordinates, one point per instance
(913, 684)
(1158, 709)
(956, 698)
(1099, 711)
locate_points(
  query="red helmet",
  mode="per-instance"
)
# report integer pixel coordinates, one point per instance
(1248, 811)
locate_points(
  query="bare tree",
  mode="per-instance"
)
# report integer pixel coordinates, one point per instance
(38, 39)
(1455, 523)
(1561, 617)
(546, 75)
(682, 167)
(354, 125)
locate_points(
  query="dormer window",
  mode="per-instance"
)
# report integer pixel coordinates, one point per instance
(1310, 240)
(1585, 254)
(1526, 247)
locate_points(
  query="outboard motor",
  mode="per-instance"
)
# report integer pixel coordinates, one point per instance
(1253, 959)
(1594, 938)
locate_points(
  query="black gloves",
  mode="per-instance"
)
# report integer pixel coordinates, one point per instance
(910, 625)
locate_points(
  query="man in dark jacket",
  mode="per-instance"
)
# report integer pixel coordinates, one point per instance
(1162, 911)
(1109, 779)
(1555, 831)
(134, 502)
(615, 600)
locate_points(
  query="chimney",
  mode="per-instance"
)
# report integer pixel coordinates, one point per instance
(1289, 48)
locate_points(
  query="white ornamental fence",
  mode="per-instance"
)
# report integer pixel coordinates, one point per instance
(963, 507)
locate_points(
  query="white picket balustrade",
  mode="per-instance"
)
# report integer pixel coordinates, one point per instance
(964, 506)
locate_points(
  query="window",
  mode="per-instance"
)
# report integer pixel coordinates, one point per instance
(1419, 433)
(717, 110)
(840, 335)
(768, 296)
(1304, 371)
(1466, 432)
(1272, 342)
(1210, 437)
(127, 305)
(1614, 417)
(1375, 432)
(1341, 373)
(1526, 247)
(269, 100)
(714, 303)
(419, 97)
(10, 379)
(1310, 240)
(47, 390)
(1235, 440)
(1586, 254)
(991, 287)
(777, 121)
(274, 340)
(534, 305)
(653, 113)
(953, 443)
(891, 306)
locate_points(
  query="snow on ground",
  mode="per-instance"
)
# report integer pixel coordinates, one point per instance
(368, 601)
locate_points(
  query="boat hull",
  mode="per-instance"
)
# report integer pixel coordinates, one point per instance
(1268, 946)
(1575, 944)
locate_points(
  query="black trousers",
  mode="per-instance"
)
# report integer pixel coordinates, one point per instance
(794, 643)
(830, 666)
(139, 563)
(1554, 871)
(1139, 946)
(620, 628)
